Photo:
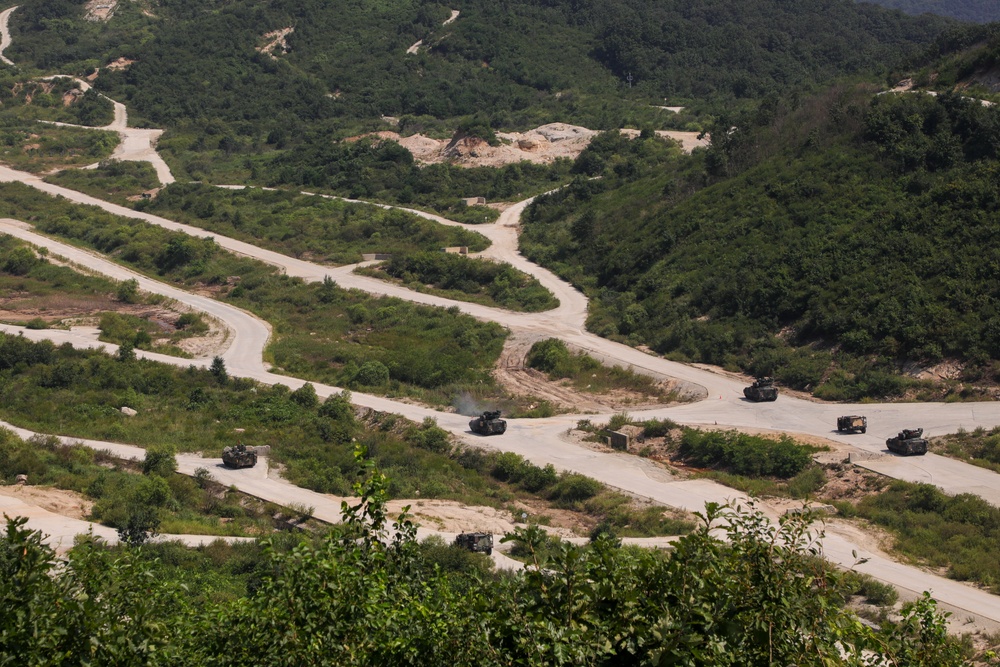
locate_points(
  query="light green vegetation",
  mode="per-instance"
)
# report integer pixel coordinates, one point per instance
(39, 148)
(124, 496)
(40, 294)
(495, 284)
(959, 533)
(80, 393)
(429, 353)
(316, 228)
(551, 356)
(113, 180)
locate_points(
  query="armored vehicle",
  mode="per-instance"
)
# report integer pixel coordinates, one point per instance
(488, 423)
(762, 389)
(481, 543)
(852, 424)
(239, 457)
(908, 442)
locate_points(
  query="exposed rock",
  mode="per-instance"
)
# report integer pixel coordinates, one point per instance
(127, 411)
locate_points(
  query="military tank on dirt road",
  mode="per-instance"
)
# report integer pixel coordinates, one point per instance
(762, 389)
(239, 457)
(908, 442)
(488, 423)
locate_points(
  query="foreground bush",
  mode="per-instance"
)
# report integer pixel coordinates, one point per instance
(364, 596)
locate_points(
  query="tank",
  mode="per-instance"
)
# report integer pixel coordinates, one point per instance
(481, 543)
(908, 442)
(852, 424)
(762, 389)
(488, 423)
(239, 457)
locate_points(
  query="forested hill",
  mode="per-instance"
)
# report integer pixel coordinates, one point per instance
(835, 239)
(200, 59)
(979, 11)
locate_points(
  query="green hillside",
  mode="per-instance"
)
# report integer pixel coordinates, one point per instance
(825, 242)
(349, 61)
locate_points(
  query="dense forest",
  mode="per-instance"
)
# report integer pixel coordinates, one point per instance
(823, 241)
(522, 63)
(980, 11)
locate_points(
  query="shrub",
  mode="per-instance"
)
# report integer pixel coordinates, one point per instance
(372, 374)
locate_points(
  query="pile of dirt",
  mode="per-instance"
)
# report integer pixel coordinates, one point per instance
(542, 145)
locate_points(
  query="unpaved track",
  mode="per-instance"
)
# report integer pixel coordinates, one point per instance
(136, 144)
(5, 34)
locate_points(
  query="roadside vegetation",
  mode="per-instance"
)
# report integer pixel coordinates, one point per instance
(187, 409)
(137, 498)
(353, 598)
(39, 294)
(112, 180)
(552, 357)
(320, 229)
(495, 284)
(322, 333)
(39, 148)
(959, 534)
(756, 465)
(57, 100)
(980, 447)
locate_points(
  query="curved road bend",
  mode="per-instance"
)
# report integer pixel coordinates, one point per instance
(5, 33)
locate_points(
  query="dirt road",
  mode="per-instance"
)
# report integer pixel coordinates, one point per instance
(5, 34)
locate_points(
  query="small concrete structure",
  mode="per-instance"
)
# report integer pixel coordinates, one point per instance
(618, 440)
(457, 250)
(376, 256)
(475, 201)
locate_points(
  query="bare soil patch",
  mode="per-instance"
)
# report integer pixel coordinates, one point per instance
(67, 311)
(57, 501)
(512, 373)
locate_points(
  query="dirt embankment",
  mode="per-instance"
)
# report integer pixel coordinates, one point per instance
(541, 145)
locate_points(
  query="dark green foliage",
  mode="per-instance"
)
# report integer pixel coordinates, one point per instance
(354, 598)
(850, 220)
(483, 281)
(159, 461)
(749, 455)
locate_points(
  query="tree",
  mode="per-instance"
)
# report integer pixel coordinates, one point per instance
(218, 370)
(159, 461)
(128, 291)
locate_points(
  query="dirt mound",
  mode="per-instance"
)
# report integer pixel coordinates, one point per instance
(542, 145)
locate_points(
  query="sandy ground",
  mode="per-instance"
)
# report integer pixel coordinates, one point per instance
(542, 145)
(58, 501)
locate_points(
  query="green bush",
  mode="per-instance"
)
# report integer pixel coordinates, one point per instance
(742, 454)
